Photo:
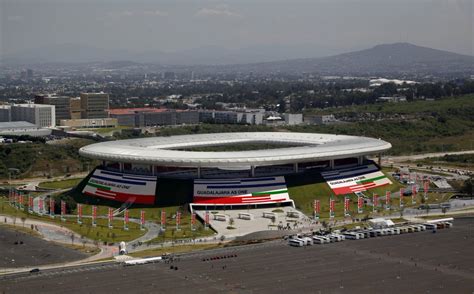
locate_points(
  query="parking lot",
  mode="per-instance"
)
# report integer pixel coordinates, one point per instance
(20, 249)
(416, 262)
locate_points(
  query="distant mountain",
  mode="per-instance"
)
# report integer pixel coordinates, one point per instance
(387, 58)
(210, 55)
(397, 58)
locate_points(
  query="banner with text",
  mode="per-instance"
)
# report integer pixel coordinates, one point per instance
(356, 179)
(240, 191)
(121, 187)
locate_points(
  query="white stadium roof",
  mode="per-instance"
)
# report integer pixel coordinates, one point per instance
(162, 150)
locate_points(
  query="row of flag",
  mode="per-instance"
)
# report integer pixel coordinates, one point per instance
(375, 202)
(18, 200)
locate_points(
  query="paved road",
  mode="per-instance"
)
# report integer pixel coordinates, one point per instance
(420, 262)
(403, 158)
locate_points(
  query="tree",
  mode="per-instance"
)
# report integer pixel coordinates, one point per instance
(23, 219)
(467, 187)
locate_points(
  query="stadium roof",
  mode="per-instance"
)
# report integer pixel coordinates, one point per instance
(17, 125)
(162, 150)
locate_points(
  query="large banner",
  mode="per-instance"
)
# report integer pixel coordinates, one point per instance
(240, 191)
(121, 187)
(356, 179)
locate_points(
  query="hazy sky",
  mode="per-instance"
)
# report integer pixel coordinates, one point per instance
(140, 25)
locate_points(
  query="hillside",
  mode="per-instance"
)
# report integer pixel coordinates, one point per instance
(401, 58)
(42, 160)
(411, 127)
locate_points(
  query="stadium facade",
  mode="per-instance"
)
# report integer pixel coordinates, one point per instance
(174, 170)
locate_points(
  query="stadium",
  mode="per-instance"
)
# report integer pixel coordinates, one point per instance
(230, 170)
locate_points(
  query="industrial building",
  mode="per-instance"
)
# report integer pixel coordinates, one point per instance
(62, 104)
(145, 117)
(94, 105)
(42, 116)
(230, 117)
(19, 128)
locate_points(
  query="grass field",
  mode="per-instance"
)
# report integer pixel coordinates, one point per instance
(100, 233)
(62, 184)
(305, 193)
(154, 214)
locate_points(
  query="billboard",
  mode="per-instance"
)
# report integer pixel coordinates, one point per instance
(121, 187)
(240, 191)
(356, 179)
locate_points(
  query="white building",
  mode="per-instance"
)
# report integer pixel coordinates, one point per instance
(293, 118)
(41, 115)
(5, 113)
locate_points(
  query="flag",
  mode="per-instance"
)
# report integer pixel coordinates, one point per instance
(360, 204)
(331, 208)
(193, 220)
(30, 203)
(375, 202)
(79, 213)
(111, 217)
(40, 205)
(51, 206)
(63, 209)
(317, 208)
(94, 215)
(178, 220)
(401, 197)
(346, 206)
(387, 200)
(413, 194)
(206, 220)
(125, 219)
(163, 219)
(142, 219)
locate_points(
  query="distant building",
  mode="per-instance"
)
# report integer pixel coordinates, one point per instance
(94, 105)
(19, 128)
(293, 118)
(5, 113)
(320, 119)
(29, 73)
(76, 111)
(90, 123)
(143, 117)
(42, 116)
(230, 117)
(62, 104)
(395, 98)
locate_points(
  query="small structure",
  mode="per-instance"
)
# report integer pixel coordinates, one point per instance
(269, 215)
(381, 223)
(220, 217)
(245, 216)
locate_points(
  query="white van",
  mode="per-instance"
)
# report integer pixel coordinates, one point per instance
(296, 243)
(318, 240)
(430, 226)
(305, 240)
(403, 230)
(309, 241)
(336, 237)
(351, 236)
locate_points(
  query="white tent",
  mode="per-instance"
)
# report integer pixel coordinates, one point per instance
(381, 223)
